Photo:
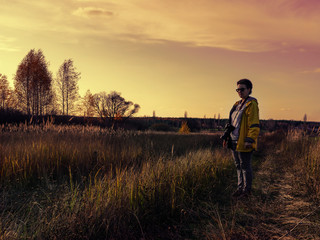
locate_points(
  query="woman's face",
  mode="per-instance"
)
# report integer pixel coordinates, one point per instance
(243, 91)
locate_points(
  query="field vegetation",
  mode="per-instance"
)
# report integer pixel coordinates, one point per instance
(85, 182)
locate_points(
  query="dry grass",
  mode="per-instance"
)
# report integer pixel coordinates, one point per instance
(91, 183)
(73, 182)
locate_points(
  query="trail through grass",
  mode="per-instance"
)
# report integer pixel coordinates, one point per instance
(283, 205)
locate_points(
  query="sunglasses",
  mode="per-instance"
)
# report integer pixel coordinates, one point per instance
(240, 89)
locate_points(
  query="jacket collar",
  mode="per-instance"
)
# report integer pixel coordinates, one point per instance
(248, 101)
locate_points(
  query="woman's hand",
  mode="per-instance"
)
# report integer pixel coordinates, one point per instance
(224, 144)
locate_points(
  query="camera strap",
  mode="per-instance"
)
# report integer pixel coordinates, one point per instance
(235, 117)
(243, 103)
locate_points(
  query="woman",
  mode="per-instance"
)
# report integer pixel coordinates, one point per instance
(244, 130)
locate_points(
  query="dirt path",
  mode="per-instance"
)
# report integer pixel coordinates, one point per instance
(285, 213)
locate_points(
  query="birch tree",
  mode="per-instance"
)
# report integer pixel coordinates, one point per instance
(4, 91)
(88, 104)
(68, 90)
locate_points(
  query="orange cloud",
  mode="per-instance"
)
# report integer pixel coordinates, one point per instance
(317, 70)
(92, 12)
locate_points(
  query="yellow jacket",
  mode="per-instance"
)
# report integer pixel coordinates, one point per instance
(249, 126)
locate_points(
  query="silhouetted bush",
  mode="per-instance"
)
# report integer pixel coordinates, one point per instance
(135, 124)
(194, 125)
(161, 127)
(11, 116)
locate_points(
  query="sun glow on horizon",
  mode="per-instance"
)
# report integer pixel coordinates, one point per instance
(176, 56)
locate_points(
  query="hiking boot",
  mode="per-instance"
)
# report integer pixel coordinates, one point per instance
(237, 193)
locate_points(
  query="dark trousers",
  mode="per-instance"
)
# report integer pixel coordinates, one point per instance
(244, 169)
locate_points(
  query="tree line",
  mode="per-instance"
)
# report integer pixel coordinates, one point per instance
(36, 92)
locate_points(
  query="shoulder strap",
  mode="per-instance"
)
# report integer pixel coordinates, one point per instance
(241, 106)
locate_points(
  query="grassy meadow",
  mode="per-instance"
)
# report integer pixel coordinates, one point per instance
(76, 182)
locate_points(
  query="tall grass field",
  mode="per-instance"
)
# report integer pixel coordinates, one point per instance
(82, 182)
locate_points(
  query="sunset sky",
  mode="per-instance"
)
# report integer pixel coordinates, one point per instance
(172, 56)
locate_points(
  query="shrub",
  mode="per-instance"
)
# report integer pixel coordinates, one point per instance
(184, 128)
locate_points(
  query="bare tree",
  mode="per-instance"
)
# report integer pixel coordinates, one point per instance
(33, 84)
(4, 91)
(88, 104)
(12, 102)
(113, 107)
(67, 82)
(100, 103)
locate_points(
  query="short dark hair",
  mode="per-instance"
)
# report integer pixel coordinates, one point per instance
(246, 82)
